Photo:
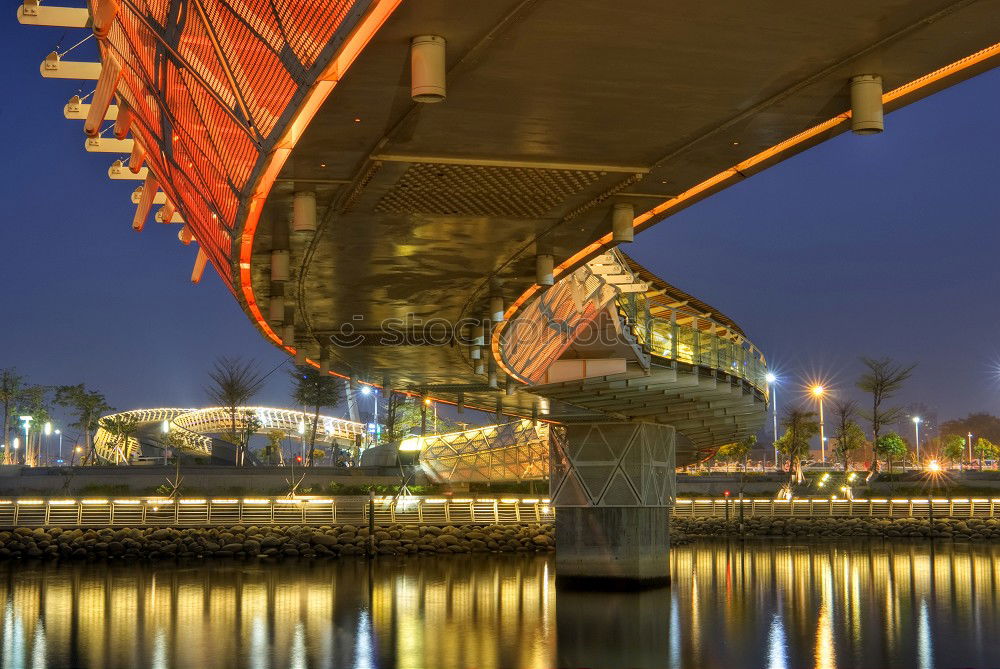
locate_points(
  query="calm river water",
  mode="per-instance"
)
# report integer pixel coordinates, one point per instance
(779, 605)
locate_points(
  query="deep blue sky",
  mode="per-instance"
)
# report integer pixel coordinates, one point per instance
(881, 245)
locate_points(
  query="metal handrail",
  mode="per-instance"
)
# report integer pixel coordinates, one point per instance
(813, 507)
(301, 510)
(680, 335)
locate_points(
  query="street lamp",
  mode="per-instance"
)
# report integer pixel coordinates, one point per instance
(429, 402)
(970, 450)
(771, 381)
(26, 420)
(368, 390)
(59, 433)
(818, 391)
(47, 429)
(165, 429)
(916, 435)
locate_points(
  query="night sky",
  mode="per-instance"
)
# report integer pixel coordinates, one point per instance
(881, 245)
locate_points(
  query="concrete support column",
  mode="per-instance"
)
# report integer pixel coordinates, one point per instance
(612, 485)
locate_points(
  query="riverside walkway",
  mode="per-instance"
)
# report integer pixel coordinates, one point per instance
(475, 509)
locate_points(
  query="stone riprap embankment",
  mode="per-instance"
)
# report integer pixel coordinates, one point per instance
(270, 541)
(961, 529)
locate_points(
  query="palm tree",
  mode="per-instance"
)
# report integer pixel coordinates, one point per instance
(122, 428)
(800, 426)
(88, 406)
(32, 403)
(314, 390)
(11, 386)
(234, 383)
(883, 379)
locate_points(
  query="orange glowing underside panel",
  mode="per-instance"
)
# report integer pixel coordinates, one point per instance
(215, 88)
(892, 99)
(550, 324)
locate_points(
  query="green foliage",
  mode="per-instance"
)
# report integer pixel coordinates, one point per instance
(122, 429)
(379, 489)
(733, 452)
(985, 449)
(850, 439)
(890, 445)
(11, 386)
(800, 426)
(954, 447)
(981, 424)
(271, 453)
(736, 451)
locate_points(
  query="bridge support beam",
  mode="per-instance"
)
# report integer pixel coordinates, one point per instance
(612, 485)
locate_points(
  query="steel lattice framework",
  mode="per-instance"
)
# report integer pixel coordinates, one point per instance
(212, 87)
(192, 427)
(516, 451)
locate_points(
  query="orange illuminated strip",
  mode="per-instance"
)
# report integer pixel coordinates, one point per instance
(758, 158)
(314, 99)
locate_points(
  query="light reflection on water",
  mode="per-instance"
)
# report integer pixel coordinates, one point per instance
(761, 605)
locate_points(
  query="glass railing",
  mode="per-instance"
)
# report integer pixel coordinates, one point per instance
(681, 335)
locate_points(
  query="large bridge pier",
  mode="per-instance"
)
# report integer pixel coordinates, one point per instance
(612, 485)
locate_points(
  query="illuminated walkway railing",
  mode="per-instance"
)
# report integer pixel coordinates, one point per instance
(433, 510)
(307, 510)
(880, 507)
(681, 335)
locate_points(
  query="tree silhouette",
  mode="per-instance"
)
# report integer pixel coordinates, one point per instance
(882, 379)
(234, 384)
(314, 390)
(800, 426)
(88, 406)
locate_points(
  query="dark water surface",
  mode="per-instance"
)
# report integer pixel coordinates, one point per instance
(778, 605)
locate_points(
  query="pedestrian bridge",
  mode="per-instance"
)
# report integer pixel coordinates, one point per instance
(498, 208)
(191, 430)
